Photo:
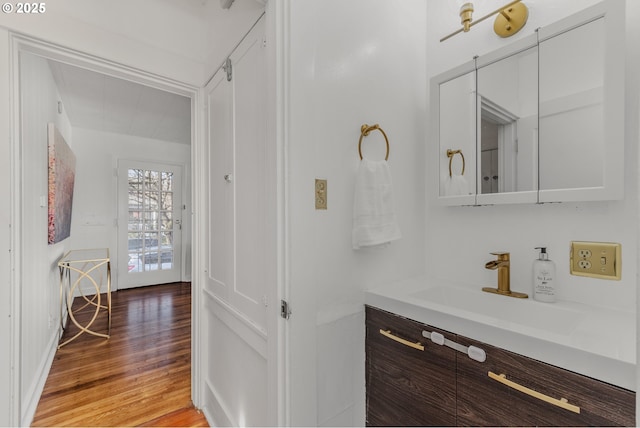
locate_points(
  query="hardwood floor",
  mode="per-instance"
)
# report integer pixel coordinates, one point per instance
(141, 376)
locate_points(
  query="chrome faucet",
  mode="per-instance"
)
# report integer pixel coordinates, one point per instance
(502, 264)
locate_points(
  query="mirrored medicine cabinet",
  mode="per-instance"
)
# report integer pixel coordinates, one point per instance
(539, 120)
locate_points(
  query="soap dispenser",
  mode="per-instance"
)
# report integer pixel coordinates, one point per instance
(544, 275)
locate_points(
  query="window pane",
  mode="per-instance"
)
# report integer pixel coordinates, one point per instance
(166, 220)
(167, 181)
(135, 179)
(134, 264)
(150, 261)
(166, 260)
(167, 239)
(167, 201)
(152, 180)
(150, 240)
(150, 221)
(151, 201)
(135, 241)
(134, 225)
(135, 200)
(166, 250)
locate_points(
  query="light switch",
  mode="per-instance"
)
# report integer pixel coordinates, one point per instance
(321, 194)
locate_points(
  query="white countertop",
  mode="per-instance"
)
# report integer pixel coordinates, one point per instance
(594, 341)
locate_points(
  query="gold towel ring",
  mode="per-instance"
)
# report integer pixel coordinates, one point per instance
(364, 131)
(450, 155)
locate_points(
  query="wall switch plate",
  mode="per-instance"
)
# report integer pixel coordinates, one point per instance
(321, 194)
(596, 259)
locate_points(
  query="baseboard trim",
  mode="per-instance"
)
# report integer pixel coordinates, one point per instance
(29, 402)
(214, 410)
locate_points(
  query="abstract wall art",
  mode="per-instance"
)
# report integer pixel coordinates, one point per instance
(62, 172)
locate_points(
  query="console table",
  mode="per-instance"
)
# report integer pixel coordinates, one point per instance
(85, 267)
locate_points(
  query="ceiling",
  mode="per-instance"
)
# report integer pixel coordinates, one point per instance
(104, 103)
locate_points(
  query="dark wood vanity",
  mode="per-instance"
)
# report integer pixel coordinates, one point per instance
(406, 386)
(439, 386)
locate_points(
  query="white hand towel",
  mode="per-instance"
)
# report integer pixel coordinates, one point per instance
(456, 185)
(374, 219)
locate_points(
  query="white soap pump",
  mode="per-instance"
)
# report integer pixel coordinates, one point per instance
(544, 275)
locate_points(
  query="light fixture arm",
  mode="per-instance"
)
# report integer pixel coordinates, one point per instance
(502, 11)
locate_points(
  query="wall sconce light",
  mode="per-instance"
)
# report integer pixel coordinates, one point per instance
(466, 16)
(511, 18)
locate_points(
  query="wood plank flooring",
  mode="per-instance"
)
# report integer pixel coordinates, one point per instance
(141, 376)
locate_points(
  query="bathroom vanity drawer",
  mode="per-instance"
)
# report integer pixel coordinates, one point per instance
(483, 400)
(406, 385)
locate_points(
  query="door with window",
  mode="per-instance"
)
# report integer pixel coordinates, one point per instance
(149, 223)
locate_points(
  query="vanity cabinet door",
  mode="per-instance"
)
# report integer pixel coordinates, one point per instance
(407, 386)
(483, 401)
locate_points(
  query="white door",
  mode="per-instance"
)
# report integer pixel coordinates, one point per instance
(149, 223)
(239, 272)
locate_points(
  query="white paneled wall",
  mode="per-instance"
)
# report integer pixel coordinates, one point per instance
(38, 286)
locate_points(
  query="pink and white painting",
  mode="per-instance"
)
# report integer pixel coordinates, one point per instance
(62, 173)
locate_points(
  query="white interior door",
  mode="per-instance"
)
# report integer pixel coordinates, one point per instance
(149, 223)
(239, 272)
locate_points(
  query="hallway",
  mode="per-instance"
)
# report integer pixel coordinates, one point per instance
(141, 376)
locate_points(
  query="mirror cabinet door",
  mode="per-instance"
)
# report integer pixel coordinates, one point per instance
(457, 137)
(571, 108)
(581, 147)
(547, 121)
(507, 129)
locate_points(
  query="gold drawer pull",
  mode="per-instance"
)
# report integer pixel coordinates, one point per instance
(416, 345)
(502, 378)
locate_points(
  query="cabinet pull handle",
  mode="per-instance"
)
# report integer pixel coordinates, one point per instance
(563, 403)
(416, 345)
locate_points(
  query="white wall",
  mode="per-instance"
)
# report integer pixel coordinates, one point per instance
(472, 233)
(349, 63)
(38, 287)
(152, 35)
(95, 204)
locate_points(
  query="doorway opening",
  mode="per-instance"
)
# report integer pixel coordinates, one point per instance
(107, 113)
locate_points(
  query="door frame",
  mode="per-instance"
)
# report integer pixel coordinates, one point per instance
(25, 44)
